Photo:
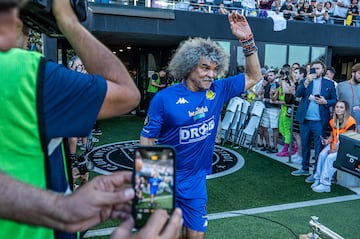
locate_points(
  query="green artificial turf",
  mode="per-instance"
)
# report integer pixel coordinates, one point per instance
(261, 182)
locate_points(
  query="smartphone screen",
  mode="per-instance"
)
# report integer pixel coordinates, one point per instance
(153, 181)
(312, 71)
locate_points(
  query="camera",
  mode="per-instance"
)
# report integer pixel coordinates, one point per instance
(83, 165)
(37, 15)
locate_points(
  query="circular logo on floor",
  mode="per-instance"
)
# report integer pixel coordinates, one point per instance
(119, 156)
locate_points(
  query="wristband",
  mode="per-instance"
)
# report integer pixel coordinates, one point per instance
(248, 43)
(249, 46)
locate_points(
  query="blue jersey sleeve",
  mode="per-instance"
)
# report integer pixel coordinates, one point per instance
(231, 86)
(72, 101)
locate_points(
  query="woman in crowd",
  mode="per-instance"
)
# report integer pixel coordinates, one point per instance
(341, 122)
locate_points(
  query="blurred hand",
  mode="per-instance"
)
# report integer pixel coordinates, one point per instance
(62, 10)
(102, 198)
(154, 228)
(321, 100)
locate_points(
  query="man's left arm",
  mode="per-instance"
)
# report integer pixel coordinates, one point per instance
(241, 29)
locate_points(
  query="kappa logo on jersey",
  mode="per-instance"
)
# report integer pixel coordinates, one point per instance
(118, 156)
(196, 132)
(182, 101)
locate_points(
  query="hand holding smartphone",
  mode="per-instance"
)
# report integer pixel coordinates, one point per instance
(153, 181)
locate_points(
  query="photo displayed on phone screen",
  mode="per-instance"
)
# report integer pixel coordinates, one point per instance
(154, 181)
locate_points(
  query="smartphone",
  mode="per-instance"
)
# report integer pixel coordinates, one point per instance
(312, 71)
(322, 140)
(153, 181)
(317, 96)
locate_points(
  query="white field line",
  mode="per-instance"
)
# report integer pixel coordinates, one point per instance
(238, 213)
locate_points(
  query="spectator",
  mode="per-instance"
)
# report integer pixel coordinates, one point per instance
(266, 4)
(287, 9)
(353, 13)
(43, 102)
(321, 16)
(294, 66)
(349, 91)
(341, 122)
(330, 10)
(249, 6)
(298, 75)
(271, 114)
(286, 98)
(330, 74)
(155, 84)
(317, 96)
(76, 64)
(252, 92)
(306, 12)
(198, 7)
(260, 90)
(222, 9)
(313, 4)
(341, 11)
(297, 14)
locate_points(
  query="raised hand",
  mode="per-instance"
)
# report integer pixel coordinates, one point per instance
(239, 26)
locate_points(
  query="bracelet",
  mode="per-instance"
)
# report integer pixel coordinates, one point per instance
(249, 46)
(248, 43)
(249, 52)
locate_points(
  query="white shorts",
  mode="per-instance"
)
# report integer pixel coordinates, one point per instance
(270, 118)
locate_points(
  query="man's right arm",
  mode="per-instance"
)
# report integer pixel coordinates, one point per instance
(122, 94)
(146, 141)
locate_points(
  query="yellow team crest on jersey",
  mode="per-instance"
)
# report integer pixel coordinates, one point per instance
(210, 95)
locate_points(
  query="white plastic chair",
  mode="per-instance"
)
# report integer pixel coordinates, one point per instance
(242, 117)
(231, 117)
(249, 134)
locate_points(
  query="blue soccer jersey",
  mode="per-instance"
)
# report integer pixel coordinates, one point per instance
(188, 121)
(154, 185)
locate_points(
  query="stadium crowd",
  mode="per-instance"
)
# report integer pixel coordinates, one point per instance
(344, 12)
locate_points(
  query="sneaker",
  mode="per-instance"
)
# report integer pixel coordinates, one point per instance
(265, 148)
(300, 172)
(321, 188)
(96, 132)
(272, 150)
(83, 147)
(310, 179)
(296, 158)
(283, 154)
(316, 183)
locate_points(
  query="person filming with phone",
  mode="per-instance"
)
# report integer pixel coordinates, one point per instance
(44, 102)
(317, 95)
